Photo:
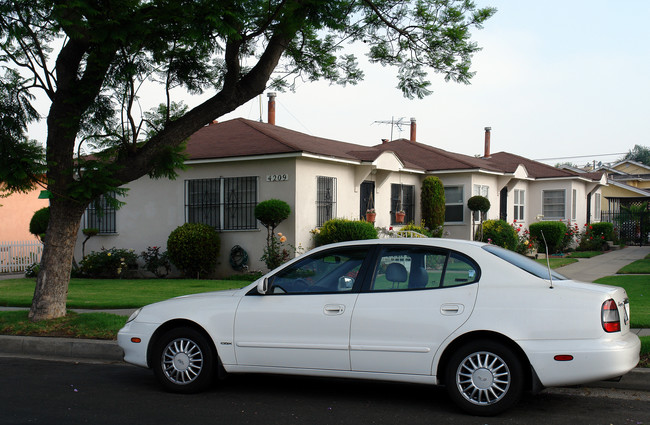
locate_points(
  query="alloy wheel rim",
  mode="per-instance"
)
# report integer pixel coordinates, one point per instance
(182, 361)
(483, 378)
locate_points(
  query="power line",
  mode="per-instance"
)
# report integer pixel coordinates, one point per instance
(580, 156)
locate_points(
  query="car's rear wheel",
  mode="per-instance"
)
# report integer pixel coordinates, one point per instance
(184, 361)
(484, 377)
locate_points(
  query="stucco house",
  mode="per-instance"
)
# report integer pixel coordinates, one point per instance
(233, 165)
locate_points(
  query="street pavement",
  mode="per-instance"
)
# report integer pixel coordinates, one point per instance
(585, 270)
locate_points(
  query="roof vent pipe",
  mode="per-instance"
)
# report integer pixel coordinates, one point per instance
(413, 129)
(271, 97)
(487, 142)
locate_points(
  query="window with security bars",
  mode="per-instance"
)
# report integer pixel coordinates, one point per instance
(325, 199)
(402, 198)
(101, 215)
(223, 203)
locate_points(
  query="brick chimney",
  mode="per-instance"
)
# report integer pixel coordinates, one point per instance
(413, 129)
(271, 97)
(487, 142)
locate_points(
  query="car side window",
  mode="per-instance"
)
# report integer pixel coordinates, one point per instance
(421, 268)
(323, 272)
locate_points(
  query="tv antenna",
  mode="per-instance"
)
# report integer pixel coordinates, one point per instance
(395, 123)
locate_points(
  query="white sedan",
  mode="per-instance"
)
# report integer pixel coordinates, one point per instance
(483, 321)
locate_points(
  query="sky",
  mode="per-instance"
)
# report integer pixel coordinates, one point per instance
(556, 80)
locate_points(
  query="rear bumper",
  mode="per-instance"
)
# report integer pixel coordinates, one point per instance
(593, 360)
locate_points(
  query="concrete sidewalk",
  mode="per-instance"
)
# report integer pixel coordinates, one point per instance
(607, 264)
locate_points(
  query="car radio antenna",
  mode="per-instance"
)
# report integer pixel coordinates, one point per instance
(548, 261)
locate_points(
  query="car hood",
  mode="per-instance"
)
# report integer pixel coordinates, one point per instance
(190, 306)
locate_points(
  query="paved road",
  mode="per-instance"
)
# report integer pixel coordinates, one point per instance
(49, 392)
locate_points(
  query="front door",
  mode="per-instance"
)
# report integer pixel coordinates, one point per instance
(367, 198)
(503, 204)
(304, 322)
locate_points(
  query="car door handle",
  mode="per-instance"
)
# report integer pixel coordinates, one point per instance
(452, 309)
(334, 309)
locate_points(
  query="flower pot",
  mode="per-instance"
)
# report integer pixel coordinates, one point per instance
(399, 217)
(370, 217)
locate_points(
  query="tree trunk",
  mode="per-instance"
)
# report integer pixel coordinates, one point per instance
(51, 290)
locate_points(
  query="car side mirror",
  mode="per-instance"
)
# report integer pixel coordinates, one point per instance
(345, 283)
(263, 286)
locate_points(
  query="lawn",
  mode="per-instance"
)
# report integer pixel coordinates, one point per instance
(638, 267)
(113, 293)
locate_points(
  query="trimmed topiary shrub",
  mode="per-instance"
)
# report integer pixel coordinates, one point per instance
(193, 248)
(499, 232)
(554, 232)
(39, 221)
(432, 203)
(272, 212)
(478, 203)
(340, 230)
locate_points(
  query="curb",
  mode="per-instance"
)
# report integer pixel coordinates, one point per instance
(637, 379)
(67, 348)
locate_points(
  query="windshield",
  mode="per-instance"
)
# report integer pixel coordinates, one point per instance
(523, 262)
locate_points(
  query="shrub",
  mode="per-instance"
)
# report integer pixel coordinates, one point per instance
(108, 263)
(499, 232)
(478, 203)
(554, 232)
(272, 212)
(525, 243)
(32, 270)
(595, 236)
(420, 229)
(156, 262)
(39, 221)
(194, 248)
(339, 230)
(432, 203)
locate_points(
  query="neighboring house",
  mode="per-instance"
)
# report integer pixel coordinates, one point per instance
(628, 185)
(16, 212)
(238, 163)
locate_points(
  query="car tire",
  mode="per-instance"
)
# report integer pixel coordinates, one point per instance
(484, 378)
(184, 361)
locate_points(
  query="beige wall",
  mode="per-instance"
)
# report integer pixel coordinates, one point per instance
(16, 212)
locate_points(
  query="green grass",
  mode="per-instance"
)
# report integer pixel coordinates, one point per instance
(637, 267)
(113, 293)
(557, 262)
(638, 290)
(73, 325)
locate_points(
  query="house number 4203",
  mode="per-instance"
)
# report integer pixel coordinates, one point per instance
(277, 178)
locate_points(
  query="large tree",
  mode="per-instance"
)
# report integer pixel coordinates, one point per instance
(92, 58)
(639, 154)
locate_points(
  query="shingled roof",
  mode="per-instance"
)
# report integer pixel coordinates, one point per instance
(241, 138)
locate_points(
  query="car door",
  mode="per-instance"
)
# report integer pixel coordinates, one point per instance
(415, 299)
(304, 322)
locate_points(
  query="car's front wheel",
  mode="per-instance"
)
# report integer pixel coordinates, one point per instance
(484, 378)
(183, 361)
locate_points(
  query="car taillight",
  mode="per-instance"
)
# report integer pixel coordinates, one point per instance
(609, 316)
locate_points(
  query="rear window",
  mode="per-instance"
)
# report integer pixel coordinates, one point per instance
(523, 262)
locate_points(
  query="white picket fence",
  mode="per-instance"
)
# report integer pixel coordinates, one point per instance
(15, 256)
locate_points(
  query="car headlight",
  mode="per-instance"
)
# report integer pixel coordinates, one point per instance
(134, 315)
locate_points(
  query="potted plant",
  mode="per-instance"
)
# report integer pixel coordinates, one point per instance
(371, 215)
(399, 216)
